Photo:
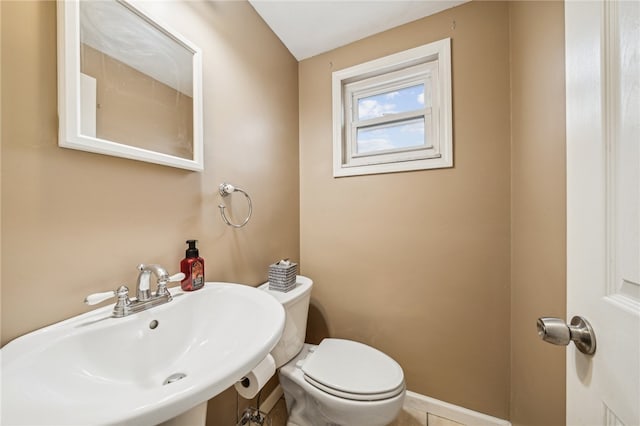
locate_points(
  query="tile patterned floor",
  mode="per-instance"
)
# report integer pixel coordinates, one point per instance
(407, 417)
(440, 421)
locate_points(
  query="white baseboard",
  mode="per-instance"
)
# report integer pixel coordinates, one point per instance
(452, 412)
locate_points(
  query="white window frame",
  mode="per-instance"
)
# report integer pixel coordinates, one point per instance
(403, 69)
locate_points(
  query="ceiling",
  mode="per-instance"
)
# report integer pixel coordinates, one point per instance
(310, 27)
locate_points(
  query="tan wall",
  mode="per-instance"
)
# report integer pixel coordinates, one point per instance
(538, 224)
(423, 265)
(135, 109)
(1, 133)
(417, 263)
(74, 223)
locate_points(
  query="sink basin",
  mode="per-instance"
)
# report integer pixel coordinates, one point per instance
(142, 369)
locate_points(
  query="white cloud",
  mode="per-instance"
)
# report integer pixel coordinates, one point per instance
(370, 108)
(417, 127)
(392, 95)
(374, 144)
(421, 98)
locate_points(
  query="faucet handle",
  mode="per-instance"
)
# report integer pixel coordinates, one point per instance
(95, 298)
(176, 277)
(162, 285)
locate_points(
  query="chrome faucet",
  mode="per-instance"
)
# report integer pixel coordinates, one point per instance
(144, 299)
(143, 292)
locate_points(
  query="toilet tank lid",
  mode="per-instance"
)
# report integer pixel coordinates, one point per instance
(353, 367)
(303, 286)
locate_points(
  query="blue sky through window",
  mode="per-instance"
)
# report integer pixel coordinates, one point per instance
(404, 134)
(408, 99)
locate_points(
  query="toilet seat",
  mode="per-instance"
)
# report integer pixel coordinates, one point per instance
(352, 370)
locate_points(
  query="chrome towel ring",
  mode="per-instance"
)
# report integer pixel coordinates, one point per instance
(225, 189)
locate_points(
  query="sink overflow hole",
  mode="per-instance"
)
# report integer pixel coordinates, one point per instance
(174, 378)
(153, 324)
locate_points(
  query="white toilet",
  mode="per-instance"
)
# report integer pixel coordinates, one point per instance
(338, 382)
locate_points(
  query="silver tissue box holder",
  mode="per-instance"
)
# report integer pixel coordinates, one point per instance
(282, 276)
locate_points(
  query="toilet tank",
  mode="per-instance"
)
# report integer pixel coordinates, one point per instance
(296, 307)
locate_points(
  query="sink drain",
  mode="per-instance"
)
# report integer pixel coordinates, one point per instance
(174, 378)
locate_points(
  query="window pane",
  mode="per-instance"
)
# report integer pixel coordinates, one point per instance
(393, 102)
(405, 134)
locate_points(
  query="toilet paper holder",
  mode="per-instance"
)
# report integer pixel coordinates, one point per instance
(250, 384)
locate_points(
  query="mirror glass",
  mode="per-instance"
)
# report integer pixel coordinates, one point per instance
(132, 86)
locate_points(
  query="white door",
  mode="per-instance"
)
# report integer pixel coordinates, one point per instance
(603, 208)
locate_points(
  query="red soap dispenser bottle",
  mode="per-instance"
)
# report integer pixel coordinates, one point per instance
(192, 267)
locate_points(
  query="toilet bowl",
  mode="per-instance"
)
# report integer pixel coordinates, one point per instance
(338, 382)
(341, 382)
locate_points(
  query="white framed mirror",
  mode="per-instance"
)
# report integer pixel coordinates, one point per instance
(128, 86)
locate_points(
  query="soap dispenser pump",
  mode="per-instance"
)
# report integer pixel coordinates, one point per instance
(192, 266)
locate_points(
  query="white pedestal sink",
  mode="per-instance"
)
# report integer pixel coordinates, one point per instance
(142, 369)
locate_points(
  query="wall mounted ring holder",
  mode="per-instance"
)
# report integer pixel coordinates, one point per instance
(225, 189)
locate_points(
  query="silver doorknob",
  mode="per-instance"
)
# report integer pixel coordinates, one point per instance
(556, 331)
